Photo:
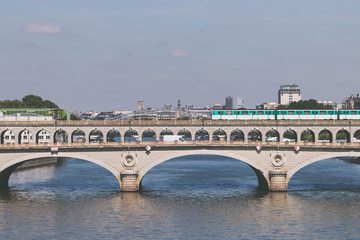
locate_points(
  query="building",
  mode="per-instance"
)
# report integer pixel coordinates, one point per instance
(178, 105)
(289, 93)
(239, 102)
(352, 102)
(267, 106)
(140, 105)
(229, 103)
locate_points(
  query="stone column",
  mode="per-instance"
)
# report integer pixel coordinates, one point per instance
(129, 181)
(278, 182)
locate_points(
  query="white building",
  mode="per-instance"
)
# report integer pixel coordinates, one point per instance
(24, 117)
(289, 93)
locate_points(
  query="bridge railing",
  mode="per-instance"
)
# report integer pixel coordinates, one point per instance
(181, 123)
(192, 143)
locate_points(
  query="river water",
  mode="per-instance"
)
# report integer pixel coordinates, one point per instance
(197, 197)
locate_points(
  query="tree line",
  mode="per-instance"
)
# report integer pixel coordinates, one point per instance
(29, 101)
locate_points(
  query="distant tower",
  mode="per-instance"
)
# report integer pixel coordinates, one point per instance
(229, 102)
(140, 105)
(289, 93)
(239, 102)
(179, 104)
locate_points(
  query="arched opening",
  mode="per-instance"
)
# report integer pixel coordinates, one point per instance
(237, 135)
(165, 132)
(336, 173)
(201, 173)
(356, 138)
(96, 136)
(202, 135)
(78, 136)
(290, 136)
(185, 134)
(66, 173)
(325, 136)
(219, 135)
(307, 136)
(131, 135)
(7, 136)
(343, 136)
(148, 135)
(60, 136)
(272, 136)
(255, 136)
(25, 136)
(113, 136)
(43, 136)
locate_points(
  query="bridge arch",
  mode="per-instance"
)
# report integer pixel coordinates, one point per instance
(96, 136)
(43, 136)
(325, 136)
(186, 134)
(131, 135)
(237, 135)
(113, 136)
(343, 136)
(78, 136)
(202, 135)
(290, 136)
(307, 136)
(219, 135)
(7, 168)
(8, 136)
(148, 135)
(61, 136)
(357, 136)
(272, 135)
(260, 172)
(319, 158)
(25, 136)
(255, 135)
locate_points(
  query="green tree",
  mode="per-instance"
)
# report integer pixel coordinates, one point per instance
(306, 104)
(32, 101)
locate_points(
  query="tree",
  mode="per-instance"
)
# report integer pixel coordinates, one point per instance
(32, 101)
(306, 104)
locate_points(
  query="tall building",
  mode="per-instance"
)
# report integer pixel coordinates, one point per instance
(289, 93)
(140, 105)
(179, 104)
(229, 102)
(239, 102)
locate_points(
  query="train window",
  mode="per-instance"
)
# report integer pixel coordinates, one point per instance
(291, 112)
(245, 112)
(307, 113)
(323, 113)
(353, 112)
(260, 112)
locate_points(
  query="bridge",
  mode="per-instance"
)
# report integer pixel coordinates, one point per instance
(130, 149)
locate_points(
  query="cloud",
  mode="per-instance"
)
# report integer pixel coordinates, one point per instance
(179, 53)
(41, 28)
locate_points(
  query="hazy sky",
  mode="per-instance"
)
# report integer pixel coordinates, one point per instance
(105, 55)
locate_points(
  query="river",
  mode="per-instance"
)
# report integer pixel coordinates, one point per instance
(197, 197)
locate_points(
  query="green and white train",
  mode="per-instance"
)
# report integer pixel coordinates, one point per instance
(249, 114)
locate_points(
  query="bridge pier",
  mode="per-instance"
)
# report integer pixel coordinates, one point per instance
(5, 175)
(277, 181)
(129, 181)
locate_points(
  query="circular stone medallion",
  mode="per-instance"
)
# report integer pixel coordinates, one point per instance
(129, 161)
(277, 160)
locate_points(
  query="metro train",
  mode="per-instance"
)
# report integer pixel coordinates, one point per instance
(249, 114)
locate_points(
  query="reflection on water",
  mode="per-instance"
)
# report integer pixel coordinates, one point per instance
(202, 197)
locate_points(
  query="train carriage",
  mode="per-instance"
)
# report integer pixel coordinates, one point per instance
(349, 114)
(306, 114)
(243, 114)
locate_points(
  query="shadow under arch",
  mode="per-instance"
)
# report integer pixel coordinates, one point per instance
(297, 168)
(261, 173)
(7, 169)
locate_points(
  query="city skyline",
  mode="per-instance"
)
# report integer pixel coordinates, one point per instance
(102, 56)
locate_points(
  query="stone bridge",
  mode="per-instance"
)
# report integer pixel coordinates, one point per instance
(274, 163)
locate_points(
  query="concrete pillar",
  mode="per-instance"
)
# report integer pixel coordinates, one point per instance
(278, 182)
(129, 181)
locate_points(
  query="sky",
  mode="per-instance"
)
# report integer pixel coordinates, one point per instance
(106, 55)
